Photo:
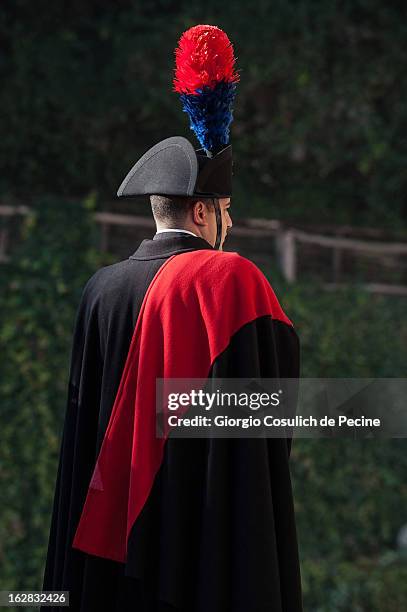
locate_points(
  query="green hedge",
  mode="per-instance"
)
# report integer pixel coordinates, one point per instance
(348, 494)
(40, 292)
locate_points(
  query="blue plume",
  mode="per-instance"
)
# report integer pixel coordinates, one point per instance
(210, 114)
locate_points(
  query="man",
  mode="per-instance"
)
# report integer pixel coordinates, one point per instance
(147, 523)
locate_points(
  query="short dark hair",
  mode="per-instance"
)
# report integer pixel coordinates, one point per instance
(173, 210)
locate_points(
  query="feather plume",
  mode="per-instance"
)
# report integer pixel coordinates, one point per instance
(205, 77)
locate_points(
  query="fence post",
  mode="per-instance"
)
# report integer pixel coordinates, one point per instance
(286, 252)
(3, 244)
(336, 263)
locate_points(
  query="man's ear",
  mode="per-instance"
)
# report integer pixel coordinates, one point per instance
(199, 213)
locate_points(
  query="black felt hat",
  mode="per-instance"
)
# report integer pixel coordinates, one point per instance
(172, 167)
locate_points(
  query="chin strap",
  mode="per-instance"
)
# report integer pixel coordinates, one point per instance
(218, 223)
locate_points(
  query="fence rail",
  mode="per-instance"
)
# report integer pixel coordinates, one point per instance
(287, 243)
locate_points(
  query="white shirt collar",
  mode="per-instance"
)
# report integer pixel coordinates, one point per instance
(176, 230)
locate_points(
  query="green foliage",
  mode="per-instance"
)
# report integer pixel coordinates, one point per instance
(368, 585)
(349, 333)
(318, 117)
(41, 288)
(348, 498)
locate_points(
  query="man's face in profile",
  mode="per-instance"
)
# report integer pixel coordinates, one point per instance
(224, 204)
(204, 220)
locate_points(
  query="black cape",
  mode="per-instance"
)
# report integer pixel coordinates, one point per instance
(216, 531)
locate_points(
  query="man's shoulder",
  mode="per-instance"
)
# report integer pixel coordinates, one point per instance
(219, 285)
(210, 272)
(225, 263)
(104, 278)
(238, 263)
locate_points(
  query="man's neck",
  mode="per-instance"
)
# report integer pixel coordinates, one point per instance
(175, 229)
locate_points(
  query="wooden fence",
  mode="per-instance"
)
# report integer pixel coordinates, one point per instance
(287, 245)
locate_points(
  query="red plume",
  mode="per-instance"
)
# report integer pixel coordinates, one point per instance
(204, 57)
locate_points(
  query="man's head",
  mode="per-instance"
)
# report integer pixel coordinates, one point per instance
(191, 213)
